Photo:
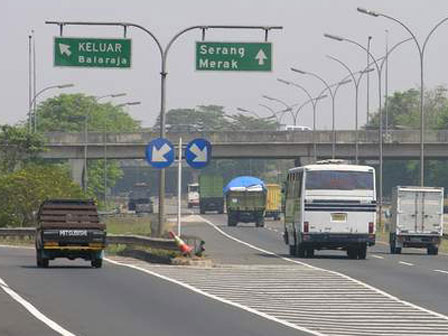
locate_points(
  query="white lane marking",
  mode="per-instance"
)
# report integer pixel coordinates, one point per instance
(377, 256)
(440, 271)
(33, 310)
(332, 272)
(405, 263)
(231, 303)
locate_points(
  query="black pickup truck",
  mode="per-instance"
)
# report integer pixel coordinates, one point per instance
(69, 228)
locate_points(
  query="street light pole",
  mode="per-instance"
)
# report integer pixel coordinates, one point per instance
(273, 113)
(163, 75)
(356, 82)
(333, 97)
(421, 51)
(378, 70)
(288, 108)
(33, 101)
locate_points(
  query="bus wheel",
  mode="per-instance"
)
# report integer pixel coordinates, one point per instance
(292, 250)
(362, 251)
(309, 252)
(352, 252)
(300, 251)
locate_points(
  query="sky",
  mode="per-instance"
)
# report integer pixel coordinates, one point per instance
(299, 44)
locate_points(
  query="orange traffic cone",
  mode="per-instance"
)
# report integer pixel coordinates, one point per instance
(184, 248)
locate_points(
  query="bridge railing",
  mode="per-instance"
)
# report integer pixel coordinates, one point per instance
(342, 136)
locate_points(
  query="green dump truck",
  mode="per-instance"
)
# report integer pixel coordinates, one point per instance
(69, 228)
(211, 197)
(245, 201)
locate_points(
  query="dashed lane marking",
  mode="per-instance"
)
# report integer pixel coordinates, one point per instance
(303, 296)
(440, 271)
(405, 263)
(377, 256)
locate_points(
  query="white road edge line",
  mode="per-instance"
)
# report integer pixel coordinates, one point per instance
(217, 298)
(379, 291)
(405, 263)
(440, 271)
(33, 310)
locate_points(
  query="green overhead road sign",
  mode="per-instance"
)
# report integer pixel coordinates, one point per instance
(229, 56)
(92, 52)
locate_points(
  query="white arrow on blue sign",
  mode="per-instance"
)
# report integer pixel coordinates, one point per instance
(198, 153)
(160, 153)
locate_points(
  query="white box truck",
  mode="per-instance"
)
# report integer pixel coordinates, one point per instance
(417, 218)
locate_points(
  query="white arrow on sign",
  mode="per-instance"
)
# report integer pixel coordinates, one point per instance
(261, 56)
(158, 155)
(201, 155)
(64, 49)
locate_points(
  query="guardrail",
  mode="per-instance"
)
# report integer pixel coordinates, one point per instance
(156, 243)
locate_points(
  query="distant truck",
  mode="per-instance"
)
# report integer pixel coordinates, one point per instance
(273, 201)
(140, 199)
(417, 218)
(245, 201)
(193, 195)
(69, 228)
(211, 197)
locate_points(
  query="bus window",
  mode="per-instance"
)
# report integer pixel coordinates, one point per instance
(339, 180)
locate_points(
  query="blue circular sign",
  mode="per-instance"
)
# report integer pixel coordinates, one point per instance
(198, 153)
(160, 153)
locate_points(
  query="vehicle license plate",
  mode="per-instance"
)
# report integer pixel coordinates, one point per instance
(338, 217)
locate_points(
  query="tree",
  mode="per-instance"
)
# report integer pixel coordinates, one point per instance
(404, 112)
(17, 146)
(22, 192)
(70, 112)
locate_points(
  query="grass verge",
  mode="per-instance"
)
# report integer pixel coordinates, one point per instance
(129, 225)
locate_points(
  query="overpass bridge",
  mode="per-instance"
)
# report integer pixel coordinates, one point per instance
(398, 144)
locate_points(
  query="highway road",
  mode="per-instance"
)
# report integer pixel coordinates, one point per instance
(256, 289)
(113, 301)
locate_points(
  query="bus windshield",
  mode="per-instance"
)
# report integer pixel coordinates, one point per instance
(339, 180)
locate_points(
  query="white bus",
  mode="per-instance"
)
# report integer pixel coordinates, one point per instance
(330, 206)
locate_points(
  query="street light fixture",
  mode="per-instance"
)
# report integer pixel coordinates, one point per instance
(333, 98)
(288, 108)
(356, 82)
(58, 86)
(129, 104)
(274, 114)
(421, 51)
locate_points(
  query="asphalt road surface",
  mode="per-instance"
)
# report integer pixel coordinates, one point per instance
(114, 300)
(413, 275)
(256, 289)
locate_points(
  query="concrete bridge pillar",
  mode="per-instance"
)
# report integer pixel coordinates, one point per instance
(77, 170)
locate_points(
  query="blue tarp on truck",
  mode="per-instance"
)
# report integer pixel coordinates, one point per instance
(244, 182)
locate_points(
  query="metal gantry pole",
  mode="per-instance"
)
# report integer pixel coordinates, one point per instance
(163, 74)
(179, 188)
(30, 82)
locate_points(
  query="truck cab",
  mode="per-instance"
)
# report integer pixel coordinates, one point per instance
(193, 195)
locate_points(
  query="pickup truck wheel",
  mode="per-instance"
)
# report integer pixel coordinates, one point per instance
(231, 221)
(45, 262)
(38, 259)
(97, 263)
